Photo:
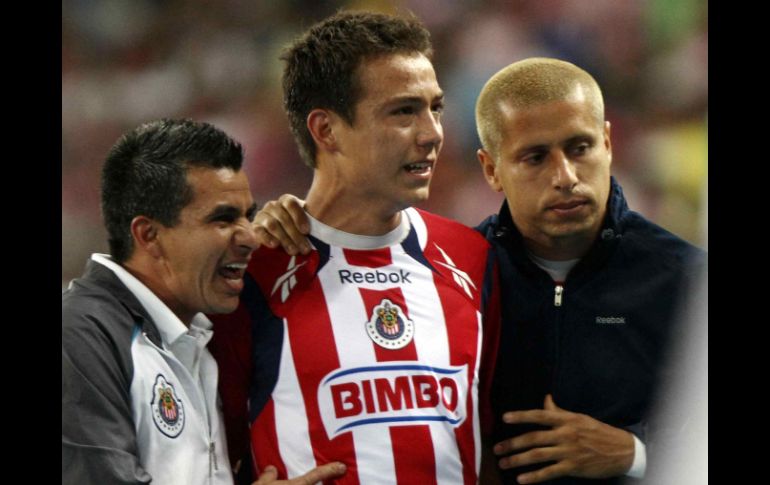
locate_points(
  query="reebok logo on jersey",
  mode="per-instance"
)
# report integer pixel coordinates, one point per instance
(392, 394)
(287, 281)
(347, 276)
(460, 276)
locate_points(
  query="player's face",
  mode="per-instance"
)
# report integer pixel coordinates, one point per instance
(204, 256)
(396, 135)
(554, 167)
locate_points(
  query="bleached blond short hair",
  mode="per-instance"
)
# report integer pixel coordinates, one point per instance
(527, 83)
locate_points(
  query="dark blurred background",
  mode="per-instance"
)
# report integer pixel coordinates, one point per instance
(126, 62)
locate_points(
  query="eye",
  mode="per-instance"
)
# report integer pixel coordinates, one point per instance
(438, 108)
(223, 219)
(534, 158)
(404, 110)
(581, 148)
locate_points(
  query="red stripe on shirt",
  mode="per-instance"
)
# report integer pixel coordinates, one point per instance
(307, 364)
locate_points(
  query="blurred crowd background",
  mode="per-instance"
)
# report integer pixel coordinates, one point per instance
(126, 62)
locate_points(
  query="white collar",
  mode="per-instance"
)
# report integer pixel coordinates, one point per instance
(168, 324)
(343, 239)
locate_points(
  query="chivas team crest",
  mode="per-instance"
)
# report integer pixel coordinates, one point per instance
(167, 409)
(388, 327)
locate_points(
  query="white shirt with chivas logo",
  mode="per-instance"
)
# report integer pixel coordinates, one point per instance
(367, 351)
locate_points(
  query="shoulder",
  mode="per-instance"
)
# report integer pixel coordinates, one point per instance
(488, 225)
(651, 241)
(445, 231)
(94, 319)
(453, 249)
(97, 334)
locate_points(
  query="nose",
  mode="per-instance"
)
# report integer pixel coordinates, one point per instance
(565, 173)
(430, 130)
(245, 238)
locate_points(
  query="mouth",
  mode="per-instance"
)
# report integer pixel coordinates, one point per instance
(569, 206)
(423, 168)
(233, 274)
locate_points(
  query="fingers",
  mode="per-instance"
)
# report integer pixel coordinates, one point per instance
(295, 207)
(323, 472)
(525, 441)
(537, 416)
(268, 475)
(277, 224)
(548, 473)
(549, 405)
(535, 455)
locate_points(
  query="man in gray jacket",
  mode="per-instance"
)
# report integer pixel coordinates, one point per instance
(139, 387)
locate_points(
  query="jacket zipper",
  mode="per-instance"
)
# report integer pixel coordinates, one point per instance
(212, 459)
(557, 295)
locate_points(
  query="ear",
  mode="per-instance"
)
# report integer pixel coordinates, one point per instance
(607, 142)
(319, 124)
(145, 233)
(489, 167)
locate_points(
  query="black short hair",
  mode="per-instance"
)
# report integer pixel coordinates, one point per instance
(145, 173)
(321, 65)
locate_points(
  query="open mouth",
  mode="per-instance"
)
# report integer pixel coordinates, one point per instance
(233, 271)
(419, 168)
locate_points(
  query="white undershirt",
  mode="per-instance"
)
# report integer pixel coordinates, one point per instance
(343, 239)
(557, 269)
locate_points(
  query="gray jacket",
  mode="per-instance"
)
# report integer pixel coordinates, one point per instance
(131, 411)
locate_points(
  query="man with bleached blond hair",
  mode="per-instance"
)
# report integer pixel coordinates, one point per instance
(591, 288)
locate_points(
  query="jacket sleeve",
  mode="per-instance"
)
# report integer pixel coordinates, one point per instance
(490, 343)
(98, 435)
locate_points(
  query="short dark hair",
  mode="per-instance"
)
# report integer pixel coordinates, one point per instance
(145, 173)
(321, 65)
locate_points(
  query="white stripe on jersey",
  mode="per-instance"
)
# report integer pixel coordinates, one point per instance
(291, 424)
(419, 226)
(432, 344)
(345, 306)
(475, 392)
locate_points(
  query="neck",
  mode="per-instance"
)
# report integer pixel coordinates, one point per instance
(152, 278)
(560, 248)
(342, 207)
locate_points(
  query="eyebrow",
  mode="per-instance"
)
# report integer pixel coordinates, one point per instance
(545, 147)
(531, 148)
(580, 137)
(414, 99)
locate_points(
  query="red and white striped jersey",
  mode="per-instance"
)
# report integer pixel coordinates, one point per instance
(367, 351)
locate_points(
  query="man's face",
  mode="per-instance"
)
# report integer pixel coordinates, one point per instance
(554, 167)
(204, 256)
(390, 150)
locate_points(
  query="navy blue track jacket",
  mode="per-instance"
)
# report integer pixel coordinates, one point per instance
(602, 351)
